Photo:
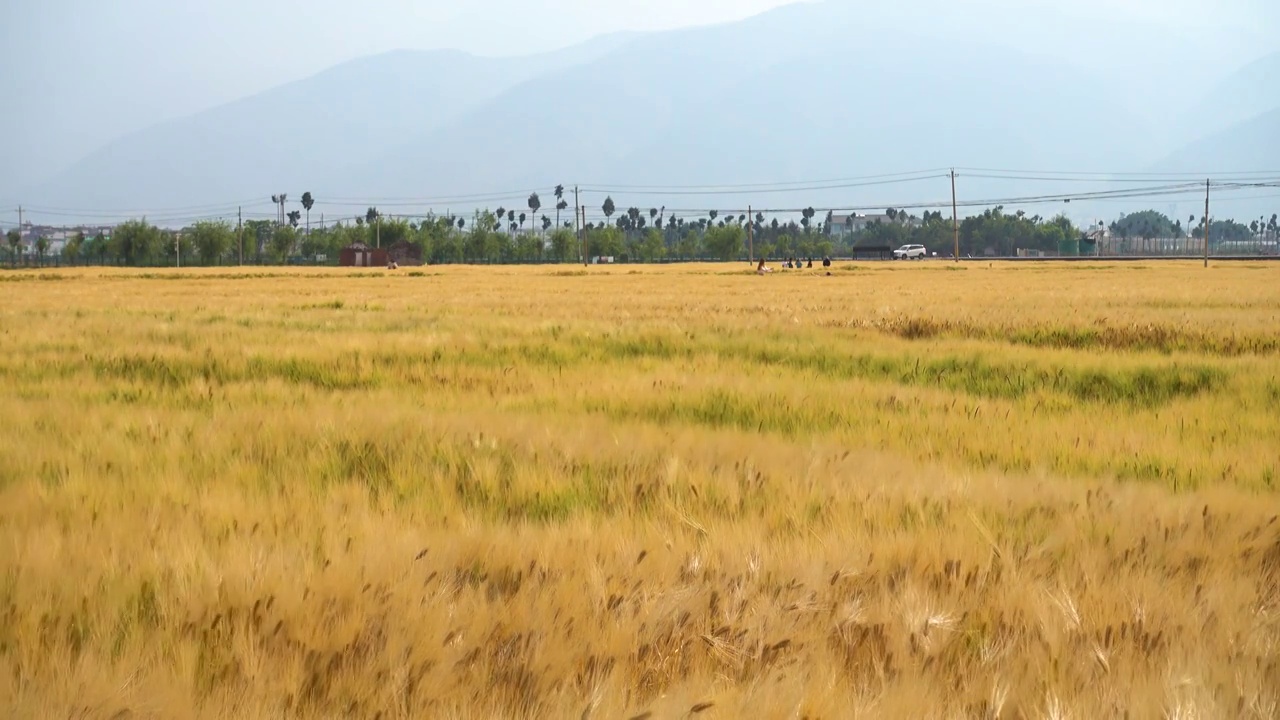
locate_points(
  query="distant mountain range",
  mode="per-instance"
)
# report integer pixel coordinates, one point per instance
(801, 93)
(1249, 145)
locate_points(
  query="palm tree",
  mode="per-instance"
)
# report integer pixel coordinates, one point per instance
(373, 217)
(294, 216)
(275, 200)
(522, 219)
(308, 202)
(608, 209)
(560, 202)
(15, 241)
(511, 218)
(535, 204)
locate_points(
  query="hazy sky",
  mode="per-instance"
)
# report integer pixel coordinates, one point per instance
(78, 73)
(85, 71)
(216, 50)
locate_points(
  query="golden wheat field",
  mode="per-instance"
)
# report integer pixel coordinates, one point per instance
(897, 491)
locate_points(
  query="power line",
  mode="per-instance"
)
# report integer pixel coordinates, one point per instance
(1028, 178)
(391, 201)
(1096, 196)
(1198, 175)
(932, 173)
(227, 211)
(764, 191)
(1226, 180)
(49, 210)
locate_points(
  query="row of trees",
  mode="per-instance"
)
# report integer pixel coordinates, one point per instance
(487, 238)
(1151, 225)
(633, 234)
(139, 243)
(992, 232)
(997, 232)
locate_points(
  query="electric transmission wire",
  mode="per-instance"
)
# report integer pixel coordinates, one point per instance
(1134, 188)
(925, 174)
(1198, 175)
(769, 191)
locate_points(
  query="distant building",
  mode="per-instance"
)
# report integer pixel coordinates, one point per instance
(872, 252)
(842, 225)
(361, 255)
(58, 237)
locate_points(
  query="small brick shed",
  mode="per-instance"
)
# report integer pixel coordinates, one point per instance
(361, 255)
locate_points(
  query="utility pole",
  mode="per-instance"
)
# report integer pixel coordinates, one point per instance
(955, 215)
(1206, 223)
(579, 230)
(751, 244)
(177, 248)
(240, 231)
(586, 259)
(377, 230)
